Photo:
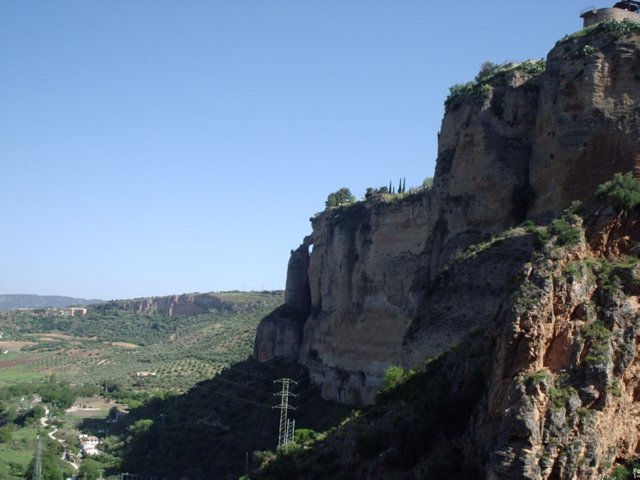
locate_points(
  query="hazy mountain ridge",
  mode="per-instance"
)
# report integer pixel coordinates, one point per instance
(9, 301)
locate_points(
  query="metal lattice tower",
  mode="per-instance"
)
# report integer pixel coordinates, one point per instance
(37, 466)
(283, 431)
(291, 430)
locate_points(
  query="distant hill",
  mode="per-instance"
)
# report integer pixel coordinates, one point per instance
(11, 301)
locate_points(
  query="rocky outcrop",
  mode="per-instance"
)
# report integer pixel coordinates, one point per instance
(562, 398)
(185, 304)
(588, 120)
(387, 278)
(361, 274)
(280, 333)
(530, 334)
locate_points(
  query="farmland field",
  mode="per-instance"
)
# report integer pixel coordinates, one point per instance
(104, 357)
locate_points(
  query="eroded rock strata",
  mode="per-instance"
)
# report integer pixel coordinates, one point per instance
(401, 280)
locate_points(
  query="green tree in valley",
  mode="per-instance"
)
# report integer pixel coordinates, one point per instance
(90, 469)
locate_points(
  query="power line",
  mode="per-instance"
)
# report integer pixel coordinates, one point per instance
(245, 372)
(240, 385)
(259, 404)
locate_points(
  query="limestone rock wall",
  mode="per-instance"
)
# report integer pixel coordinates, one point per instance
(588, 122)
(361, 273)
(524, 145)
(185, 304)
(280, 333)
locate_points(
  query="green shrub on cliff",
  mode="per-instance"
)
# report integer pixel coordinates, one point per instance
(394, 376)
(622, 191)
(597, 336)
(341, 197)
(460, 92)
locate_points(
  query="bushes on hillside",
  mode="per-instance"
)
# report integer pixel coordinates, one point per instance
(622, 191)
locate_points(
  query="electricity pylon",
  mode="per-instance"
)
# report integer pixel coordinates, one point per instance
(37, 465)
(283, 431)
(291, 430)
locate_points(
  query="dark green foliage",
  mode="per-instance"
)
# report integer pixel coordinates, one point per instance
(612, 28)
(615, 388)
(439, 407)
(560, 397)
(597, 336)
(393, 376)
(585, 51)
(341, 197)
(29, 417)
(565, 231)
(58, 394)
(488, 72)
(5, 434)
(443, 407)
(487, 69)
(622, 191)
(90, 469)
(459, 93)
(535, 378)
(620, 472)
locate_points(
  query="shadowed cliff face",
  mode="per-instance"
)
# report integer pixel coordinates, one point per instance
(386, 284)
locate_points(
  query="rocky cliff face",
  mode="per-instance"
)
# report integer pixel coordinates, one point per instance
(361, 275)
(400, 280)
(280, 333)
(587, 122)
(562, 398)
(185, 304)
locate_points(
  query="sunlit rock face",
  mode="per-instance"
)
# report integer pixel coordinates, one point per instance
(387, 281)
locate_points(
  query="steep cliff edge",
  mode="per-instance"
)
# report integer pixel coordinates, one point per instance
(522, 142)
(563, 392)
(544, 385)
(526, 334)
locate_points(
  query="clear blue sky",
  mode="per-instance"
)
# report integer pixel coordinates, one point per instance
(155, 147)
